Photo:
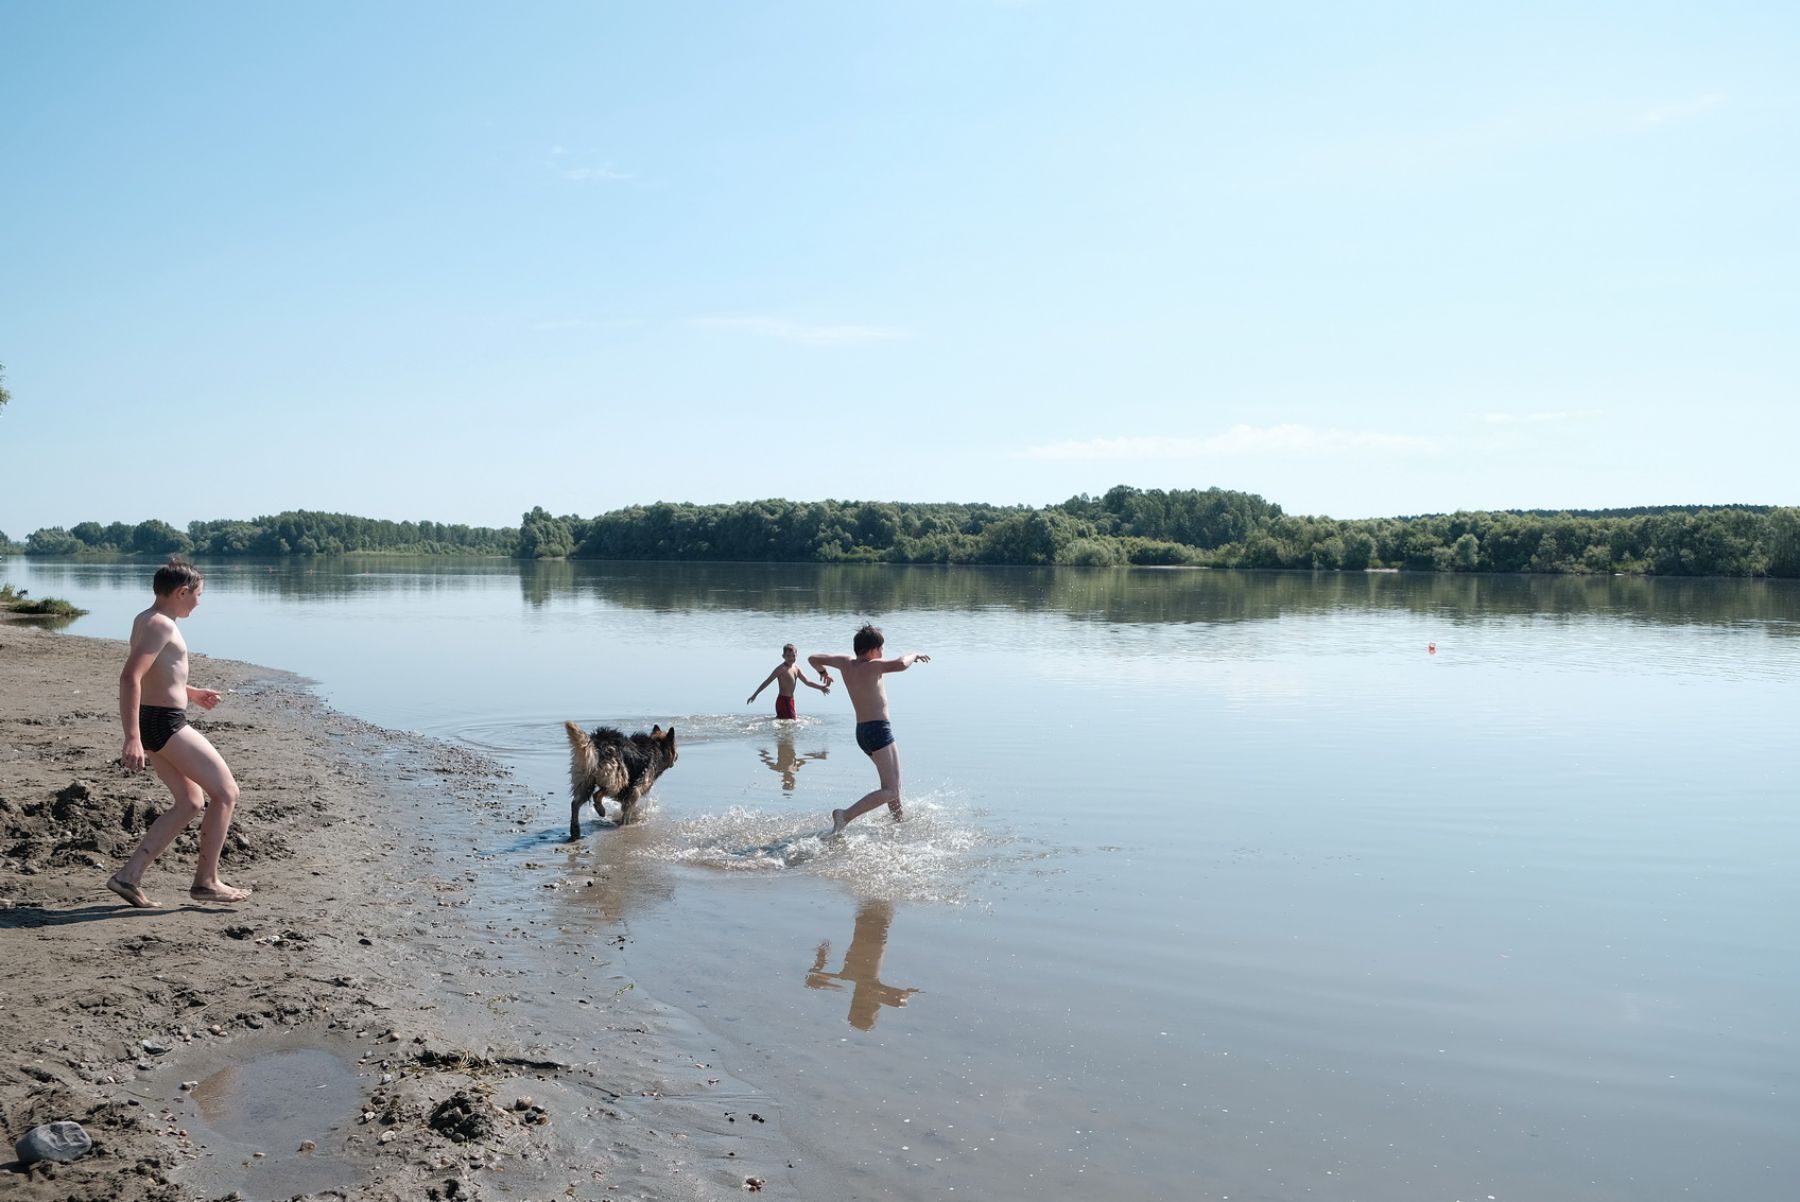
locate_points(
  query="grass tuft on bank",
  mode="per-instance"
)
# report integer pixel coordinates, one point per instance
(14, 602)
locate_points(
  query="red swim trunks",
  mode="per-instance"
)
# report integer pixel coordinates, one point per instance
(784, 707)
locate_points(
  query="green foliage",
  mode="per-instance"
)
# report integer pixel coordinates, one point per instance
(1093, 553)
(295, 532)
(5, 396)
(1211, 528)
(544, 537)
(159, 538)
(52, 540)
(40, 607)
(1177, 528)
(1783, 535)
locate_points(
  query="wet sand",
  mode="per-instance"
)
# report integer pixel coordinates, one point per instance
(358, 945)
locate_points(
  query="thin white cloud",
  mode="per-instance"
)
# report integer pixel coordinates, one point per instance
(1290, 439)
(605, 172)
(1429, 147)
(805, 333)
(1685, 110)
(1547, 417)
(584, 166)
(566, 324)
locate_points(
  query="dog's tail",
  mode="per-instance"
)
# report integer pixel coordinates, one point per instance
(584, 764)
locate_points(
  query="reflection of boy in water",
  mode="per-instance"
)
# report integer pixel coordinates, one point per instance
(785, 760)
(865, 675)
(784, 675)
(862, 966)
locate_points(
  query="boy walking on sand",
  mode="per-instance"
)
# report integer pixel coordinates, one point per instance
(784, 675)
(865, 676)
(153, 700)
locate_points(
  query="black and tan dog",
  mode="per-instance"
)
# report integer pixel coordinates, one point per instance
(611, 764)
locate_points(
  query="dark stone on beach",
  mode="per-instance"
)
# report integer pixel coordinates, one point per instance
(462, 1117)
(59, 1141)
(69, 801)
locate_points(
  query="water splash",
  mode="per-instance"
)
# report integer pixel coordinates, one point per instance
(932, 856)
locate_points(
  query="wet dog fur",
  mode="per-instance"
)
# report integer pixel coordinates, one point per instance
(608, 763)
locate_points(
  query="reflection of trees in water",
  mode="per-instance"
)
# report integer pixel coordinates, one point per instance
(329, 578)
(1124, 595)
(862, 966)
(1149, 595)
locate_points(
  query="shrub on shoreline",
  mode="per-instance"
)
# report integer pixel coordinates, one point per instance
(41, 607)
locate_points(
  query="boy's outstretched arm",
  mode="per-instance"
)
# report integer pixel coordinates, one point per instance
(763, 685)
(822, 663)
(904, 662)
(809, 683)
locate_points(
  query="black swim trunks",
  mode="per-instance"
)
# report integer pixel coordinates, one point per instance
(157, 724)
(873, 736)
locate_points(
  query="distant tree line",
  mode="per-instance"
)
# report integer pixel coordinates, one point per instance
(296, 532)
(1180, 527)
(1211, 528)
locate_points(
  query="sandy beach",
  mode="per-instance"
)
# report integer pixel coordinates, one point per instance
(357, 950)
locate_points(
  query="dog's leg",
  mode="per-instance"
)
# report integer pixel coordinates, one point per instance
(575, 805)
(584, 774)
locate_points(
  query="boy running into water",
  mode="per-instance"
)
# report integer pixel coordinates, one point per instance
(865, 676)
(153, 700)
(785, 674)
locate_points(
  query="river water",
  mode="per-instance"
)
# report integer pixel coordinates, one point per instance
(1213, 885)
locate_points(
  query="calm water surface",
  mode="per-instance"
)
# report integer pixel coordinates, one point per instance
(1215, 885)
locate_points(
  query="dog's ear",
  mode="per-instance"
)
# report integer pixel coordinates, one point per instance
(656, 732)
(669, 736)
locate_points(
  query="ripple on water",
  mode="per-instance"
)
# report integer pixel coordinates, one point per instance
(932, 856)
(524, 738)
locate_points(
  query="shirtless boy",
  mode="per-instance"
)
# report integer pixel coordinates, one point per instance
(153, 700)
(865, 676)
(785, 674)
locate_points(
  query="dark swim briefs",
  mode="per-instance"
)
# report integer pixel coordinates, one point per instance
(784, 707)
(873, 736)
(157, 724)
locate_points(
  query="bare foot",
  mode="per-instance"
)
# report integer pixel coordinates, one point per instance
(839, 820)
(131, 893)
(222, 894)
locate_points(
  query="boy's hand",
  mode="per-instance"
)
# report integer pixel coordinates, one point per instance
(133, 755)
(204, 698)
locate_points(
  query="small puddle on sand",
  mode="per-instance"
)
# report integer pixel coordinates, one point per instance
(273, 1104)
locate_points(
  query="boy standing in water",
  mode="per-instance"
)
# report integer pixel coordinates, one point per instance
(153, 700)
(785, 674)
(865, 676)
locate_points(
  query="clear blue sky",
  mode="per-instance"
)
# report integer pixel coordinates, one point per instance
(449, 261)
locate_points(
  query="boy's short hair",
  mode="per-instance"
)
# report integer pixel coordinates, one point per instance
(790, 647)
(867, 639)
(175, 575)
